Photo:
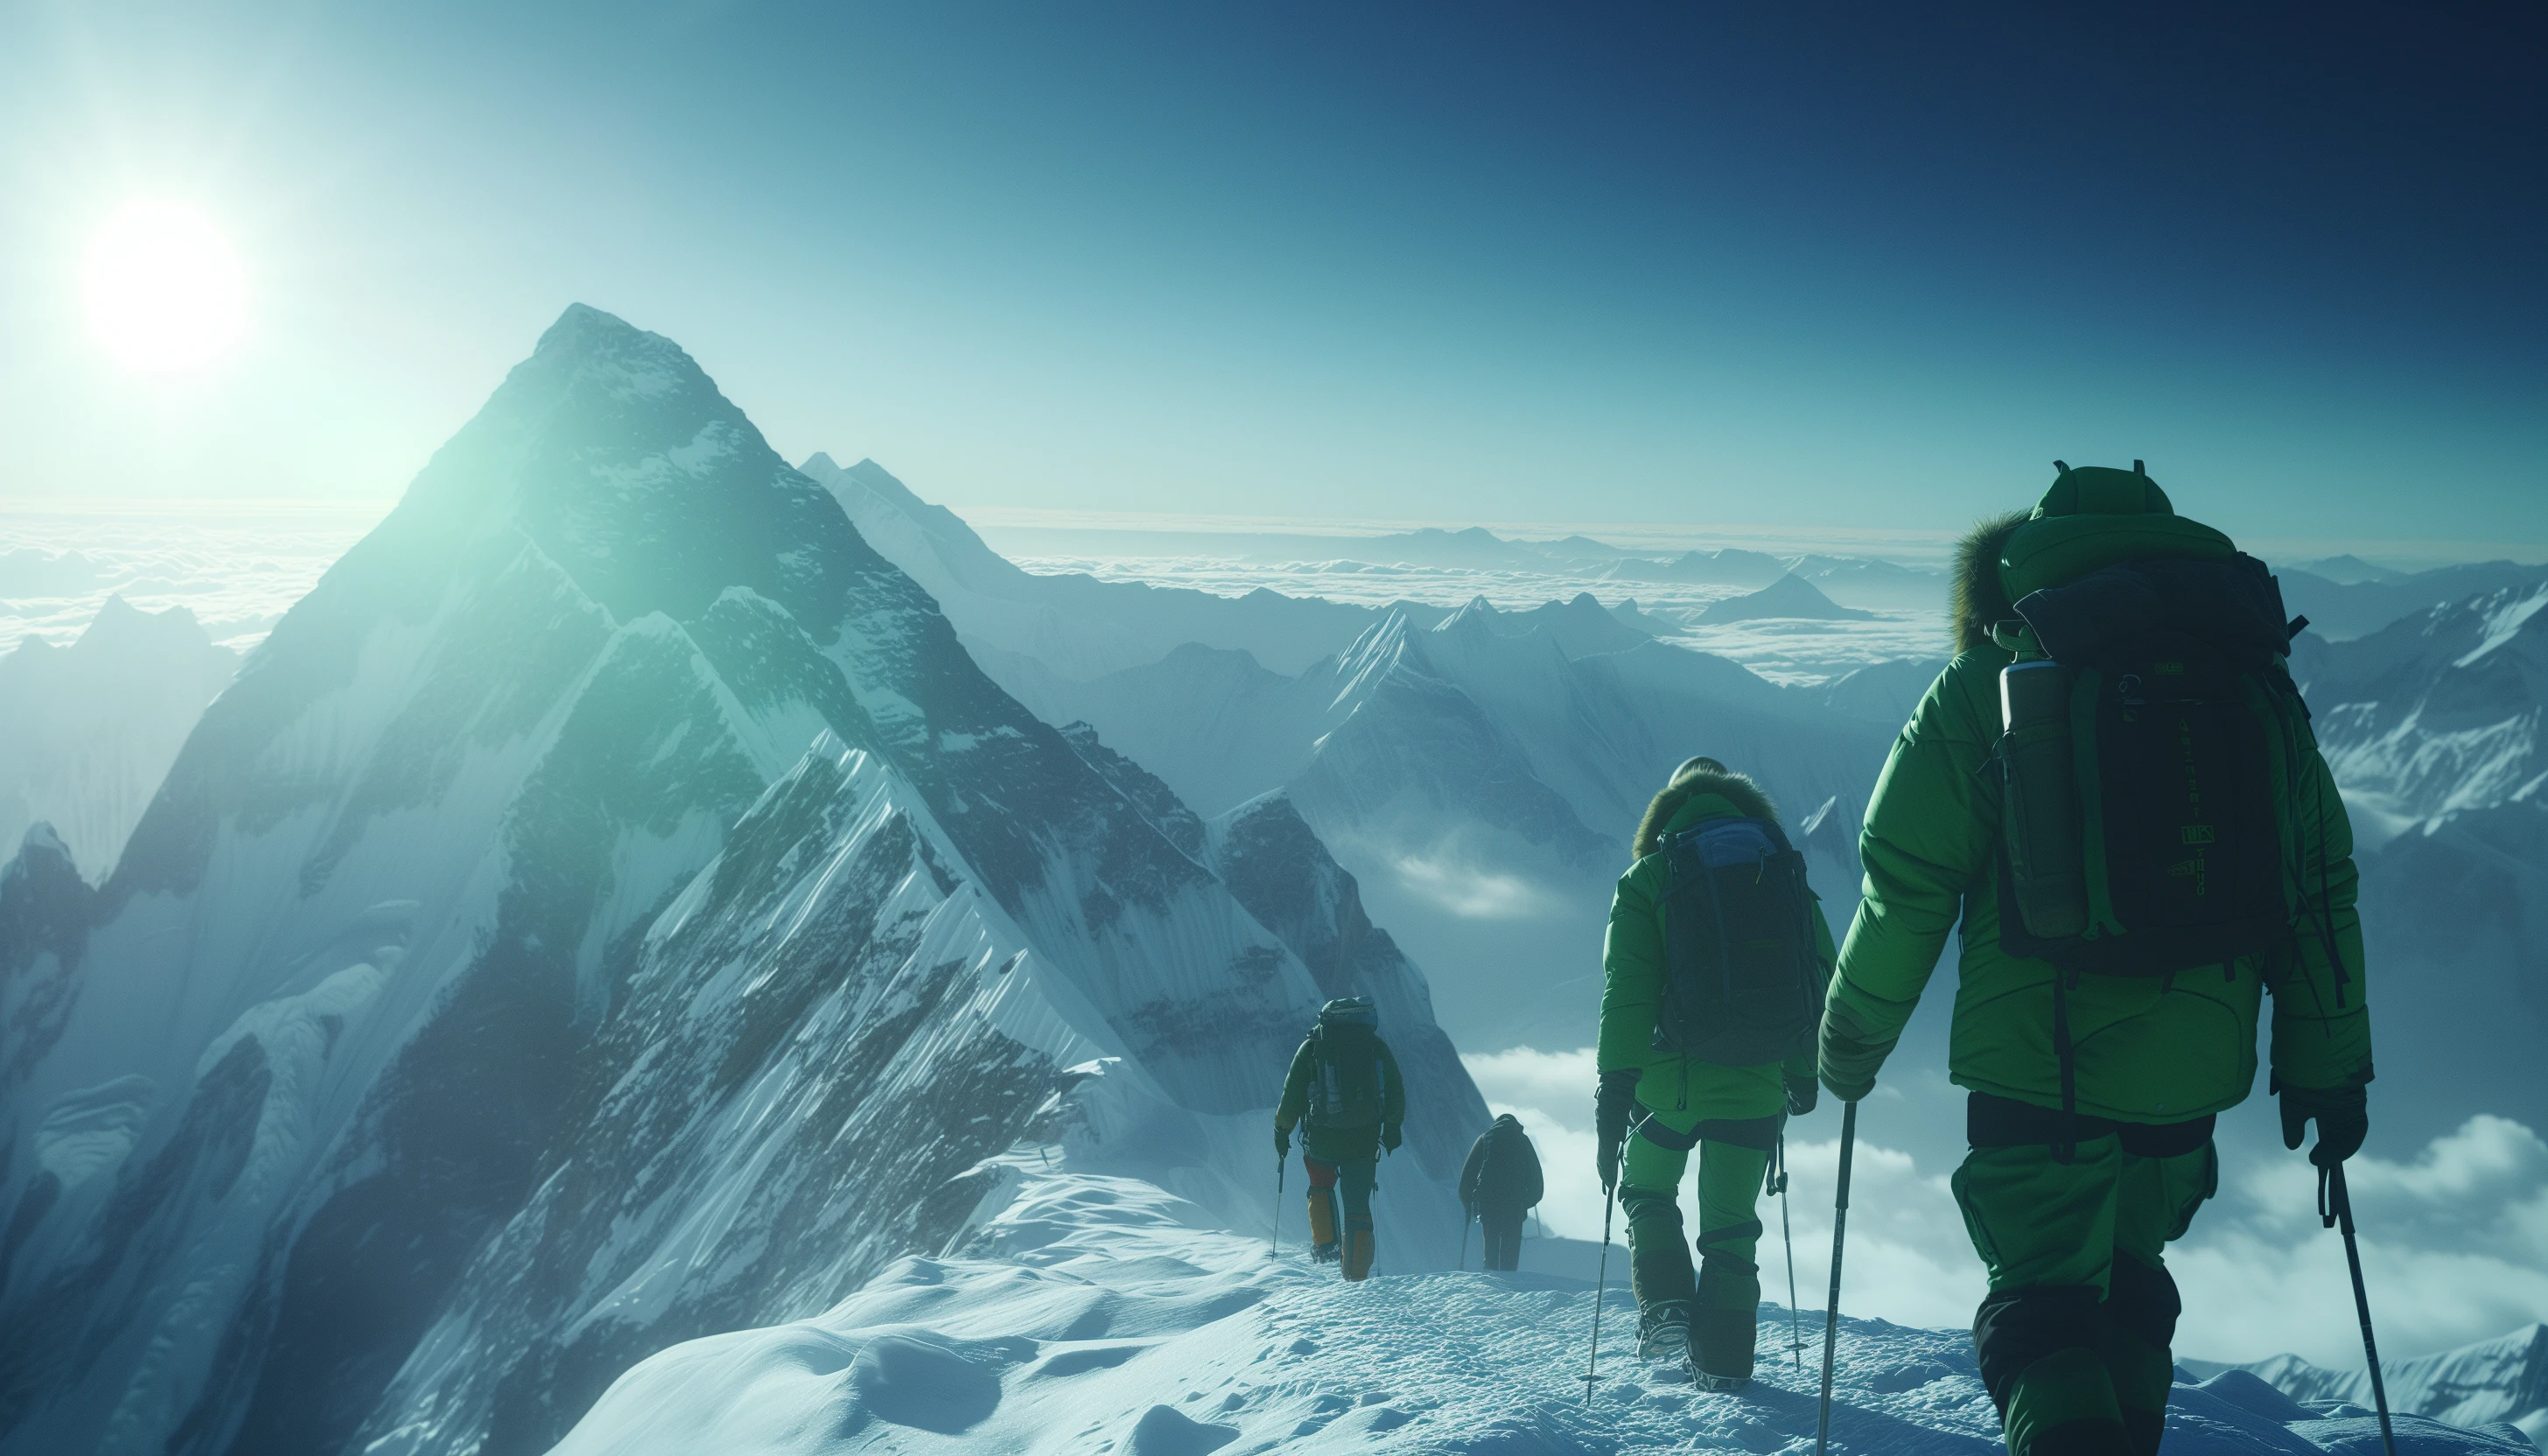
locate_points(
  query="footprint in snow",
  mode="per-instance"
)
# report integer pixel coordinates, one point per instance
(924, 1384)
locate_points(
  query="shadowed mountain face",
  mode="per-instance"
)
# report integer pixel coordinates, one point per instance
(440, 1024)
(2434, 726)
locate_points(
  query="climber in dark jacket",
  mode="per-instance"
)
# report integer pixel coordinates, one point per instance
(1498, 1184)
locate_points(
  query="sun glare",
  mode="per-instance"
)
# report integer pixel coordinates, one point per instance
(164, 289)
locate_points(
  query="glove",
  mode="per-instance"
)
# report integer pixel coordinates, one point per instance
(1282, 1141)
(1612, 1102)
(2343, 1118)
(1847, 1057)
(1801, 1096)
(1390, 1136)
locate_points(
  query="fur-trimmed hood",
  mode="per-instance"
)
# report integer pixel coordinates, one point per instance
(2116, 498)
(1744, 795)
(1979, 599)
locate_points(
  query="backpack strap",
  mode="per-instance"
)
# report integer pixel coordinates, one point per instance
(2065, 1145)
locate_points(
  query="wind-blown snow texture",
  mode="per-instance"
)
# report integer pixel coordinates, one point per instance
(433, 1053)
(1097, 1313)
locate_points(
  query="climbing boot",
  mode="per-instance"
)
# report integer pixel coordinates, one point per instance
(1325, 1254)
(1662, 1336)
(1322, 1224)
(1358, 1252)
(1725, 1321)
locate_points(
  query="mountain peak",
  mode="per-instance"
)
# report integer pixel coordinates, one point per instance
(626, 359)
(1791, 595)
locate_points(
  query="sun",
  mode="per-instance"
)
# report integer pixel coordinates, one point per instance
(165, 291)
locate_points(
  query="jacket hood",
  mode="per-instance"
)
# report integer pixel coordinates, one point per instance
(2102, 490)
(1744, 795)
(1506, 1122)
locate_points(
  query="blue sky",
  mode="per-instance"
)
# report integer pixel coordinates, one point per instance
(1860, 264)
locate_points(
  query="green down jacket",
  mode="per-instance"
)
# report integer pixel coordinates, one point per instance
(1632, 964)
(2147, 1050)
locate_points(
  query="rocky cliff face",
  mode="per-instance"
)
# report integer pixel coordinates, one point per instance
(498, 988)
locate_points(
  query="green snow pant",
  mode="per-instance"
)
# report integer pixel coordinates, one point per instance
(2073, 1339)
(1724, 1295)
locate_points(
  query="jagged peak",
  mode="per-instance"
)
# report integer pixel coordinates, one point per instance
(119, 622)
(1273, 802)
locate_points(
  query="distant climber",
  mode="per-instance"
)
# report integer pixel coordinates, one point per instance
(2115, 787)
(1499, 1185)
(1714, 974)
(1344, 1083)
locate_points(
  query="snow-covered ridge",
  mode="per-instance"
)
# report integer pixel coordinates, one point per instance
(1095, 1313)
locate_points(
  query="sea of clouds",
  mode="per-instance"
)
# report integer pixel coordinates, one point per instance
(238, 569)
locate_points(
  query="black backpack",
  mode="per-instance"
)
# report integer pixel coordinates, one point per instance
(1739, 981)
(2148, 772)
(1350, 1089)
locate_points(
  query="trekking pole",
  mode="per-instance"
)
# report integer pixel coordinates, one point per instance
(1831, 1309)
(1274, 1250)
(1795, 1324)
(2336, 1210)
(1463, 1265)
(1600, 1282)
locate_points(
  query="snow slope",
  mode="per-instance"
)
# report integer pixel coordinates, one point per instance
(88, 731)
(1100, 1314)
(433, 1051)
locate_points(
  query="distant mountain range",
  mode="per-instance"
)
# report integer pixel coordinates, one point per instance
(88, 731)
(1790, 597)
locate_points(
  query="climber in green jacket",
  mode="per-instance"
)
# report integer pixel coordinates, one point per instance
(1680, 1070)
(1345, 1094)
(2092, 1089)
